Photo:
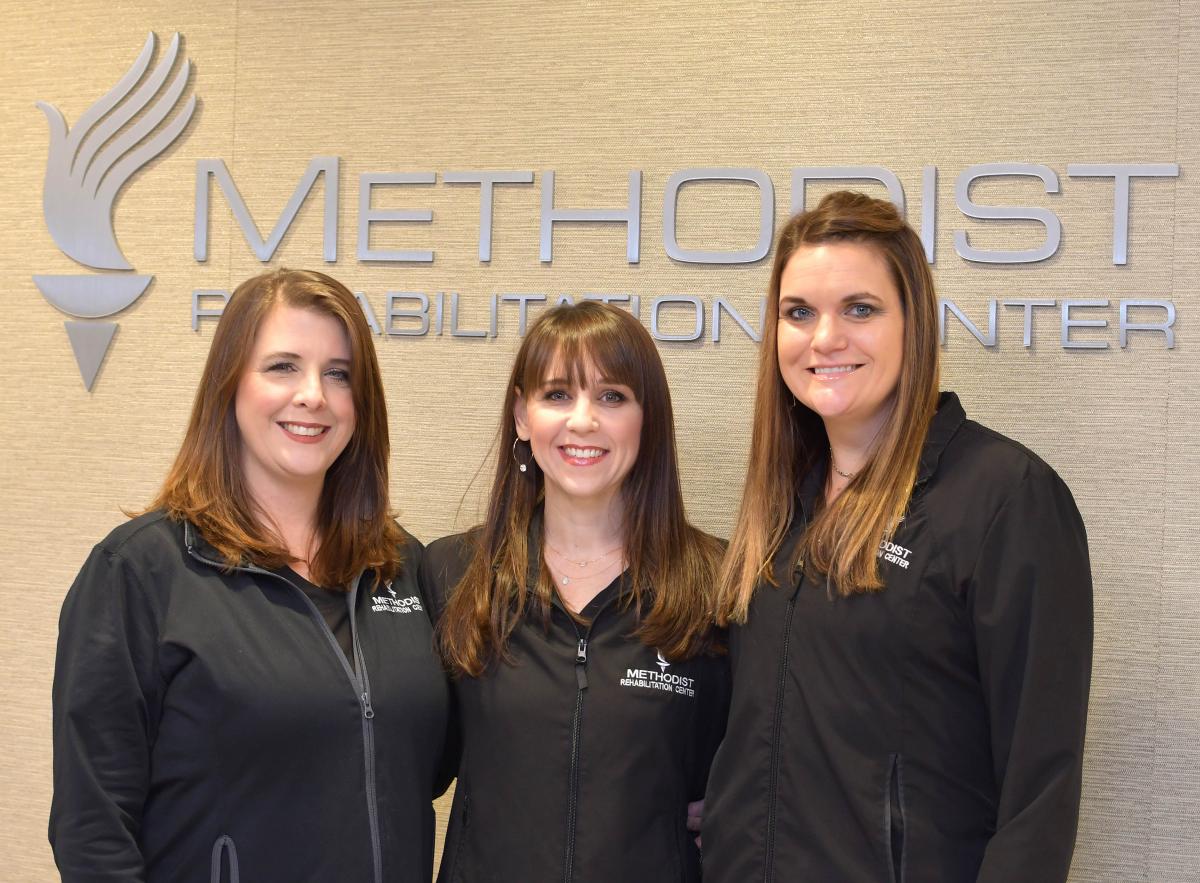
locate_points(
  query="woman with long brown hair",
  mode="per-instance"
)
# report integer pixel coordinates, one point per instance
(245, 685)
(578, 624)
(909, 594)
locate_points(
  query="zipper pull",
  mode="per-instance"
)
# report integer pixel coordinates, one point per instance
(581, 663)
(367, 711)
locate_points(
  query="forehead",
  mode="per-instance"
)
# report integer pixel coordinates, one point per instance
(300, 329)
(580, 371)
(835, 269)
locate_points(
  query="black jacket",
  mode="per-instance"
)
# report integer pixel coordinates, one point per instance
(932, 732)
(207, 723)
(580, 758)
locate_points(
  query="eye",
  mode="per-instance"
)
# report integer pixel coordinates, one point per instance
(281, 367)
(339, 375)
(861, 311)
(613, 397)
(554, 394)
(797, 313)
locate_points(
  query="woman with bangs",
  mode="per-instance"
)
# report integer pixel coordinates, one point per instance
(909, 597)
(245, 685)
(577, 624)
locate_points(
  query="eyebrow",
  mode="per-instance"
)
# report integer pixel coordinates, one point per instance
(296, 356)
(600, 381)
(849, 298)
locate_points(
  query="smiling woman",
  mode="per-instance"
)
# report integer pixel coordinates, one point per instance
(226, 657)
(908, 592)
(585, 570)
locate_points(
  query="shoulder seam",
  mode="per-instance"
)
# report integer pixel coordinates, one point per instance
(117, 550)
(1031, 458)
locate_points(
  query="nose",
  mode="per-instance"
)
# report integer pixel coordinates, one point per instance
(310, 391)
(828, 336)
(582, 417)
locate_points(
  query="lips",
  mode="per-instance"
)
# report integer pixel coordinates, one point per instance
(577, 455)
(306, 433)
(833, 371)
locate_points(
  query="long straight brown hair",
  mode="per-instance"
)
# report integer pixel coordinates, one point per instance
(672, 565)
(789, 440)
(206, 485)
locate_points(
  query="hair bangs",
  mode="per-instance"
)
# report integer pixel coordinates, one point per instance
(582, 351)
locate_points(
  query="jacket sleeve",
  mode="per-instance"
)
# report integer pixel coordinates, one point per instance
(442, 567)
(431, 584)
(106, 701)
(711, 718)
(1031, 603)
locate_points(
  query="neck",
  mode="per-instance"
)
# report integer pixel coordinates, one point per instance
(291, 511)
(849, 451)
(580, 528)
(850, 443)
(850, 448)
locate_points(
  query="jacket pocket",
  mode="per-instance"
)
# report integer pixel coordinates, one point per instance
(224, 848)
(894, 818)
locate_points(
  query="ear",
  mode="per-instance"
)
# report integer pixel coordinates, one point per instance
(521, 416)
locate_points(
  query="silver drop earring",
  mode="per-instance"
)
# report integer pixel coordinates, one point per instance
(523, 467)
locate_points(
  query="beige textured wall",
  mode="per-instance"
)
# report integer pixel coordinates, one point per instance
(591, 91)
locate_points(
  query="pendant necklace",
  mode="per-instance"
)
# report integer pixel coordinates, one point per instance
(565, 579)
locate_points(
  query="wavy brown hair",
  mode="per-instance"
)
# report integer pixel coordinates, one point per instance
(206, 485)
(672, 565)
(789, 440)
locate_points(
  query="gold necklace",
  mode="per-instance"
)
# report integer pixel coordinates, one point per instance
(833, 463)
(566, 579)
(589, 560)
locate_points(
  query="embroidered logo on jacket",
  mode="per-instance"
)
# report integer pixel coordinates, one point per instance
(894, 554)
(393, 603)
(649, 679)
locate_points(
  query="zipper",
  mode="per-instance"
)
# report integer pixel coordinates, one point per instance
(776, 727)
(358, 681)
(368, 725)
(581, 659)
(580, 663)
(573, 775)
(895, 817)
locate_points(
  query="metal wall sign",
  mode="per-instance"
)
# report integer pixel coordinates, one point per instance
(146, 112)
(88, 166)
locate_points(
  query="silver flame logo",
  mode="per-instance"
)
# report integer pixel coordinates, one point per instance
(87, 168)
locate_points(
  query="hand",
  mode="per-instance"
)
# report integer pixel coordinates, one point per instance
(695, 818)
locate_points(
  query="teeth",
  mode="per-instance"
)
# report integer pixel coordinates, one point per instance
(582, 452)
(837, 369)
(297, 429)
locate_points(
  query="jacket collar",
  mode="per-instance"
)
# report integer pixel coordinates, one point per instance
(945, 423)
(200, 548)
(787, 565)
